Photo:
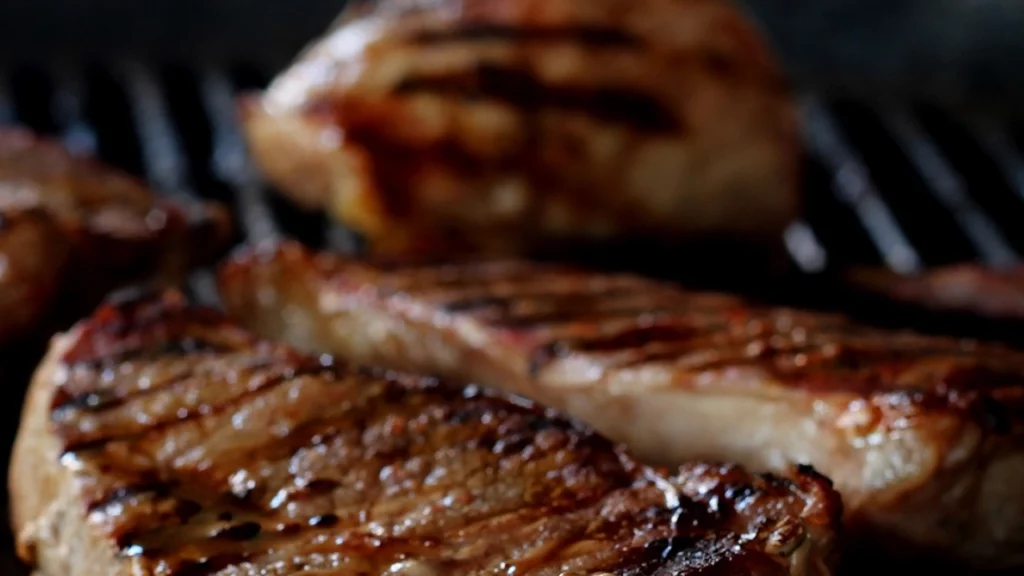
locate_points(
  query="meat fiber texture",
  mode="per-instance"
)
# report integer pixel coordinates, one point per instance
(536, 127)
(161, 440)
(924, 436)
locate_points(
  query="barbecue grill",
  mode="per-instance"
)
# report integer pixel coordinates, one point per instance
(902, 185)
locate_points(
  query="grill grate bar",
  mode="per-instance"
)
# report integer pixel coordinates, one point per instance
(949, 188)
(853, 186)
(230, 162)
(7, 114)
(805, 248)
(163, 157)
(997, 143)
(68, 112)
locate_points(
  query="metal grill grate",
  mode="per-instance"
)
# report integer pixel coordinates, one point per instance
(905, 187)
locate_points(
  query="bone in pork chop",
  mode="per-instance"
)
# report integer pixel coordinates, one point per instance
(159, 439)
(924, 436)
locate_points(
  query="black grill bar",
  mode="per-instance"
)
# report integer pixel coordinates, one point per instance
(804, 247)
(69, 113)
(230, 163)
(997, 143)
(948, 187)
(7, 113)
(853, 186)
(164, 161)
(184, 126)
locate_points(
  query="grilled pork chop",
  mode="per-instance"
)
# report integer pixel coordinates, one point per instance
(924, 436)
(522, 126)
(159, 439)
(71, 230)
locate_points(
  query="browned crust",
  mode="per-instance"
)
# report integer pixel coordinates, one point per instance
(622, 353)
(605, 314)
(72, 230)
(516, 128)
(94, 497)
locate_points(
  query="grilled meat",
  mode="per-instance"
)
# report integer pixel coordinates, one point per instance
(924, 436)
(71, 230)
(159, 439)
(525, 126)
(963, 288)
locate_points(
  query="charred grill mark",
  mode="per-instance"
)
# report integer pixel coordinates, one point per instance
(554, 318)
(635, 337)
(110, 399)
(561, 300)
(136, 351)
(593, 36)
(545, 354)
(324, 521)
(210, 565)
(89, 401)
(184, 415)
(154, 488)
(239, 532)
(479, 274)
(682, 335)
(521, 89)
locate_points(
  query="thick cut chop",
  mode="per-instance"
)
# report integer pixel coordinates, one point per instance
(526, 126)
(923, 436)
(71, 230)
(158, 439)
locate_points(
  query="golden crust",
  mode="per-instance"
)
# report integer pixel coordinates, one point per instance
(923, 435)
(516, 128)
(160, 439)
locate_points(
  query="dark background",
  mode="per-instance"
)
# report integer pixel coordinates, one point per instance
(966, 52)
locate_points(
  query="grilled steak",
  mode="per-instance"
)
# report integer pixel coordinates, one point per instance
(524, 126)
(159, 439)
(71, 230)
(924, 436)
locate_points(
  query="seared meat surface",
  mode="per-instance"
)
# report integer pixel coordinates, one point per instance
(71, 230)
(526, 126)
(159, 439)
(924, 436)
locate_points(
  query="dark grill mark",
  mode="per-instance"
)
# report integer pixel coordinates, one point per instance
(544, 355)
(635, 337)
(206, 410)
(324, 521)
(315, 488)
(239, 532)
(208, 566)
(482, 32)
(567, 315)
(136, 352)
(578, 301)
(521, 89)
(154, 488)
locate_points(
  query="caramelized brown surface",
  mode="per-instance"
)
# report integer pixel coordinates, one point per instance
(923, 435)
(192, 448)
(520, 127)
(71, 230)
